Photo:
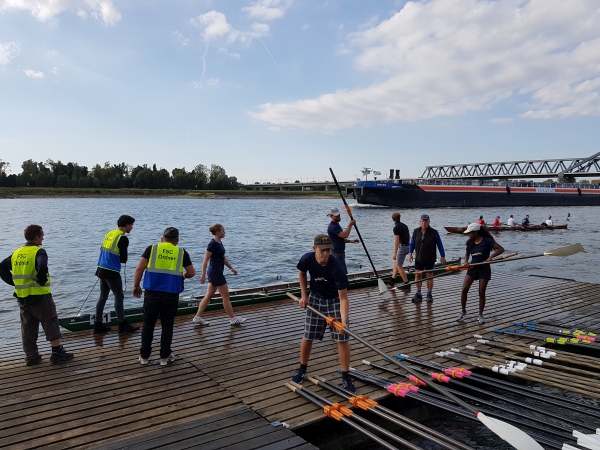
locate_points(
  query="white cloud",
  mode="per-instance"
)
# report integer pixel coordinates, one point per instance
(211, 83)
(8, 50)
(215, 27)
(502, 120)
(45, 10)
(33, 74)
(181, 38)
(449, 57)
(305, 27)
(55, 70)
(226, 52)
(267, 9)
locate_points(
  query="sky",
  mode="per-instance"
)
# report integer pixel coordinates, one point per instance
(279, 90)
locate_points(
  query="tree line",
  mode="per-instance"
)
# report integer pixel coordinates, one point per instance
(115, 176)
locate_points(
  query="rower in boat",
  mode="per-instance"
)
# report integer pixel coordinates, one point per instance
(525, 222)
(511, 221)
(496, 223)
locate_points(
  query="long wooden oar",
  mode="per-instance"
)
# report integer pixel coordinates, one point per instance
(511, 434)
(382, 287)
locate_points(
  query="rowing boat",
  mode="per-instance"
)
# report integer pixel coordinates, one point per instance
(515, 228)
(239, 297)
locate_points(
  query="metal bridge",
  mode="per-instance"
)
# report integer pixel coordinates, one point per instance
(541, 168)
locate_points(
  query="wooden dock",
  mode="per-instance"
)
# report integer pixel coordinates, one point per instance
(227, 383)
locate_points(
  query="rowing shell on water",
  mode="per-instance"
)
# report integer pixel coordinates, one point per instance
(504, 228)
(239, 297)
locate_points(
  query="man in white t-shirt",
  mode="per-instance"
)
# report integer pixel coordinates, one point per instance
(549, 221)
(511, 221)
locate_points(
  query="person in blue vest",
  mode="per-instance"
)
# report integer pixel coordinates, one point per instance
(113, 253)
(164, 266)
(339, 236)
(27, 270)
(329, 295)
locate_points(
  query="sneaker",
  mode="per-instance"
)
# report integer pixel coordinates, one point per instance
(404, 287)
(348, 384)
(429, 297)
(463, 315)
(169, 359)
(100, 328)
(237, 320)
(199, 321)
(299, 375)
(417, 297)
(143, 361)
(481, 319)
(126, 327)
(60, 355)
(33, 360)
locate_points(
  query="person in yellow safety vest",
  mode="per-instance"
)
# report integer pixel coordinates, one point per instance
(164, 266)
(113, 252)
(27, 270)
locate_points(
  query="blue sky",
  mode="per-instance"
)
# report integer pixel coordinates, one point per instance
(283, 89)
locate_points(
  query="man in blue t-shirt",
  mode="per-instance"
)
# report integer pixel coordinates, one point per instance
(329, 295)
(339, 236)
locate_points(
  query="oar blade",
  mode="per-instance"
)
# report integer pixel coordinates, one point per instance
(511, 434)
(383, 290)
(565, 251)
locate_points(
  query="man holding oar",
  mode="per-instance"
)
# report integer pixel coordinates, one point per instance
(424, 242)
(339, 236)
(329, 295)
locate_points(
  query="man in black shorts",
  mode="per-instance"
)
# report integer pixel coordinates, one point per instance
(424, 242)
(329, 295)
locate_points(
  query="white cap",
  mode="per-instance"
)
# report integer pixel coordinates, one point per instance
(334, 212)
(472, 227)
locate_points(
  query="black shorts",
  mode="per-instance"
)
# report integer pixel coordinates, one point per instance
(480, 272)
(425, 266)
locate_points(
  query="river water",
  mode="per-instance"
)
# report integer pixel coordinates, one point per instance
(265, 238)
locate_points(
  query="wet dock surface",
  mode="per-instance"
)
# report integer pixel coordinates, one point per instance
(227, 383)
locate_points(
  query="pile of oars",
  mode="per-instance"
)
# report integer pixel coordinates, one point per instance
(511, 434)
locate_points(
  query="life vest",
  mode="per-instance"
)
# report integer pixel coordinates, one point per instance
(24, 274)
(165, 269)
(110, 257)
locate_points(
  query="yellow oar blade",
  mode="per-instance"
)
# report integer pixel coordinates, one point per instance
(565, 251)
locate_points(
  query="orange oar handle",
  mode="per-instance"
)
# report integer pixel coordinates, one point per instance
(455, 268)
(348, 210)
(335, 324)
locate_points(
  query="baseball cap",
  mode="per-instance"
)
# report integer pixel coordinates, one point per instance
(171, 233)
(472, 227)
(497, 217)
(333, 212)
(424, 216)
(322, 241)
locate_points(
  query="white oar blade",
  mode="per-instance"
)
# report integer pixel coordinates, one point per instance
(383, 290)
(565, 251)
(511, 434)
(591, 441)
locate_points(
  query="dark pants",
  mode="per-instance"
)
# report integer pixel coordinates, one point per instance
(42, 312)
(341, 257)
(116, 286)
(163, 305)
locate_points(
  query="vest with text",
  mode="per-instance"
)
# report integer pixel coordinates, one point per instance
(24, 274)
(165, 269)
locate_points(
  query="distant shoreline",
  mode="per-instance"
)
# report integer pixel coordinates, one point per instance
(13, 193)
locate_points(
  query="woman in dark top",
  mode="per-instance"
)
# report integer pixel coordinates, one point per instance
(479, 246)
(215, 253)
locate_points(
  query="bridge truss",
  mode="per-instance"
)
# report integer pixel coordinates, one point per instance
(541, 168)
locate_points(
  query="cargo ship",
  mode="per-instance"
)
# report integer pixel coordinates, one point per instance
(475, 186)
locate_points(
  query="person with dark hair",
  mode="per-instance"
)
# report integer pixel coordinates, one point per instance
(480, 221)
(339, 236)
(113, 253)
(525, 222)
(27, 270)
(329, 295)
(479, 247)
(401, 245)
(215, 254)
(164, 267)
(424, 242)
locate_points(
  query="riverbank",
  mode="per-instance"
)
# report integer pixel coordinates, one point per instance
(7, 193)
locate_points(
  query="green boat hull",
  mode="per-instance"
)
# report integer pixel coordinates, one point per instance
(243, 298)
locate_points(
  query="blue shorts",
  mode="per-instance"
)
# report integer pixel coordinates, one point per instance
(216, 278)
(426, 266)
(314, 325)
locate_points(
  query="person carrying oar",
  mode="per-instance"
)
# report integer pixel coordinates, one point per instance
(329, 295)
(479, 246)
